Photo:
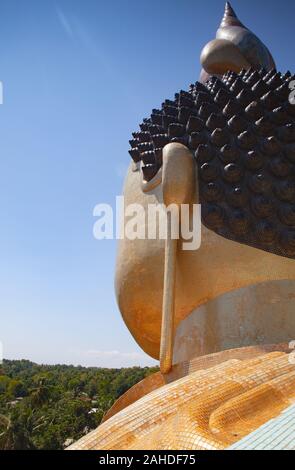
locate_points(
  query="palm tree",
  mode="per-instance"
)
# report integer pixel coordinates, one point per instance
(6, 436)
(40, 394)
(16, 432)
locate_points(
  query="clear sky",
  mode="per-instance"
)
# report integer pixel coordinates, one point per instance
(78, 76)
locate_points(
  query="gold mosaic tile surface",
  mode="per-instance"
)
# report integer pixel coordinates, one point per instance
(208, 409)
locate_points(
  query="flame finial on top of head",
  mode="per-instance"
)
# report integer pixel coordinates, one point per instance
(230, 18)
(252, 48)
(235, 48)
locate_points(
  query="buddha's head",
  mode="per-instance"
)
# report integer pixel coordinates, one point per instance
(230, 142)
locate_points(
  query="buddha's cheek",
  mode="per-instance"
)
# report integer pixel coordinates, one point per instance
(139, 289)
(140, 273)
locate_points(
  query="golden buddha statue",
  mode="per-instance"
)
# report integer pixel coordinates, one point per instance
(219, 318)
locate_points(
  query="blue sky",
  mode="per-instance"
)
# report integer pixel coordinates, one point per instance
(78, 77)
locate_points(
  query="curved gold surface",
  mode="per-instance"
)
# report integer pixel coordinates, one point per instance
(219, 266)
(208, 409)
(258, 314)
(139, 390)
(182, 369)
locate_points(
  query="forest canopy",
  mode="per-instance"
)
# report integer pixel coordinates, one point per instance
(50, 406)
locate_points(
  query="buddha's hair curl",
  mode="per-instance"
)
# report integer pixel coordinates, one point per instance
(241, 131)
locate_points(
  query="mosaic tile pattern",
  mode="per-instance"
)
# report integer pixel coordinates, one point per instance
(182, 369)
(276, 434)
(208, 409)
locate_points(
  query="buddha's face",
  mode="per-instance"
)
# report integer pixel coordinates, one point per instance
(242, 151)
(218, 266)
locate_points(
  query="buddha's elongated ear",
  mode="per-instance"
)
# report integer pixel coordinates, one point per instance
(178, 174)
(178, 185)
